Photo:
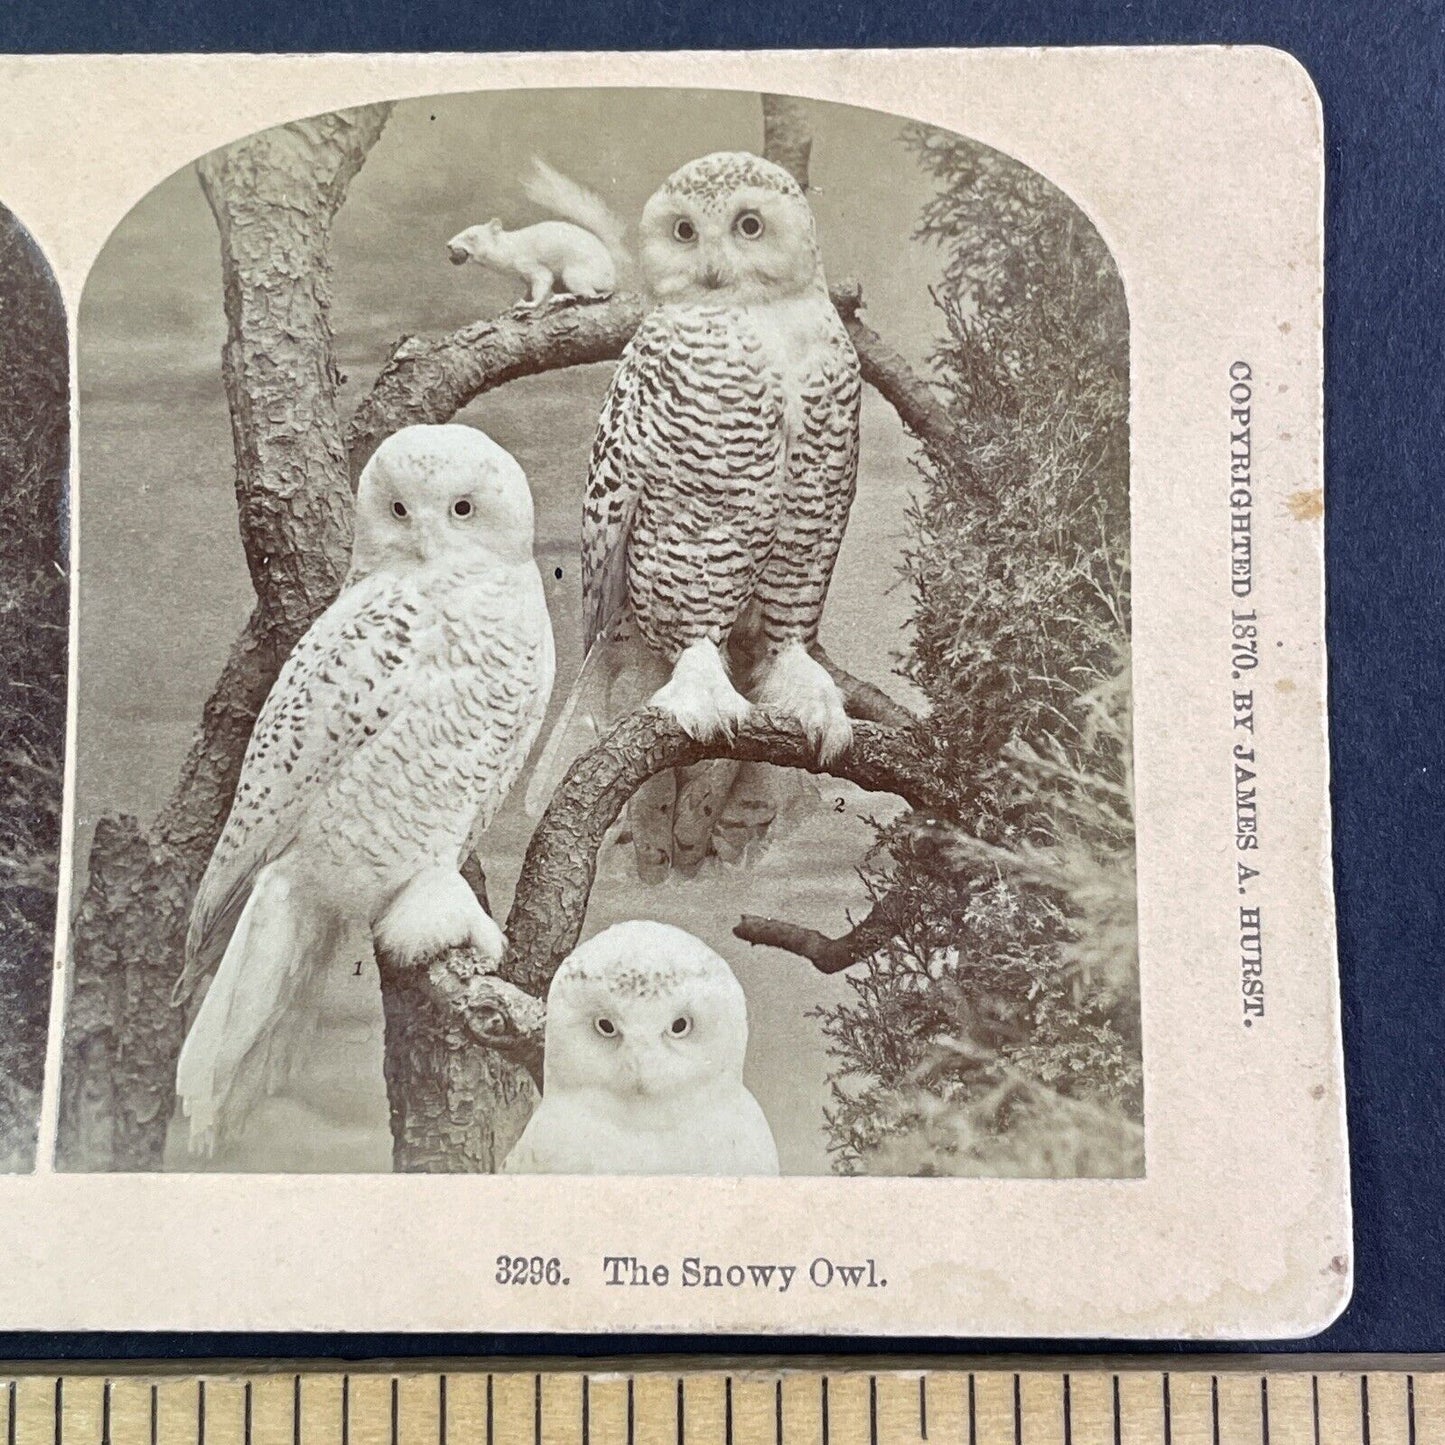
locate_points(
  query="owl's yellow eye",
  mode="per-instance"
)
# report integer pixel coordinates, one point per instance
(398, 509)
(606, 1028)
(680, 1027)
(749, 225)
(462, 507)
(683, 230)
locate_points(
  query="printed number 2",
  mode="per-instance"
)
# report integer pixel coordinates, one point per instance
(837, 805)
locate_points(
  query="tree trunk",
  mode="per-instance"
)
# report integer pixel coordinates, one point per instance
(787, 135)
(463, 1057)
(274, 197)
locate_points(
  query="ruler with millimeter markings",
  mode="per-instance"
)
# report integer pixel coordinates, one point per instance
(709, 1404)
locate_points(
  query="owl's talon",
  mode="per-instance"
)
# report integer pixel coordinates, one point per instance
(800, 687)
(699, 697)
(435, 911)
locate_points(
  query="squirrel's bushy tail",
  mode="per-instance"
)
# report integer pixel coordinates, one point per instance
(554, 192)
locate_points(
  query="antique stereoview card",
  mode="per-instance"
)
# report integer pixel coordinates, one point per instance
(697, 695)
(34, 437)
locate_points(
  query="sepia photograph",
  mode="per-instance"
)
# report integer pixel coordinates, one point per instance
(680, 671)
(34, 620)
(604, 648)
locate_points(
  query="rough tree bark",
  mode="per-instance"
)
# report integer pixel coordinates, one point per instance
(274, 197)
(555, 883)
(463, 1062)
(787, 135)
(431, 378)
(454, 1105)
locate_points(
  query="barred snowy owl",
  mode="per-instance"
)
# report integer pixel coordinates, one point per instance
(720, 481)
(643, 1074)
(396, 728)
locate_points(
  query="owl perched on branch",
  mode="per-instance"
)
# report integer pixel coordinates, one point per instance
(720, 481)
(646, 1032)
(393, 733)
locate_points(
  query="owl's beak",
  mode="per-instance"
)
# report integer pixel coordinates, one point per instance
(635, 1068)
(712, 278)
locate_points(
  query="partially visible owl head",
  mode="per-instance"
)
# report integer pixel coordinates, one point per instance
(434, 492)
(644, 1011)
(729, 227)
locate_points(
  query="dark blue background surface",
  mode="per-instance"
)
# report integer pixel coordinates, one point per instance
(1379, 69)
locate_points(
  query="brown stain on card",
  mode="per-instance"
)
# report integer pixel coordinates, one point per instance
(1306, 506)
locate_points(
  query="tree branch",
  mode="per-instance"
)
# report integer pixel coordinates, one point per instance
(550, 902)
(827, 955)
(865, 701)
(885, 370)
(787, 135)
(495, 1012)
(457, 1108)
(430, 379)
(274, 197)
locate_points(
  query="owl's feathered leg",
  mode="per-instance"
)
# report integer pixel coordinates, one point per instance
(797, 685)
(700, 696)
(436, 910)
(225, 1063)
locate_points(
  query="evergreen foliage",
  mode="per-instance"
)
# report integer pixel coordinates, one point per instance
(998, 1033)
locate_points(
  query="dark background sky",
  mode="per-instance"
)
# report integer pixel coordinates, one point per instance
(1379, 69)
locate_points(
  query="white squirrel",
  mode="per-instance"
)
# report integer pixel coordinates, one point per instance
(581, 256)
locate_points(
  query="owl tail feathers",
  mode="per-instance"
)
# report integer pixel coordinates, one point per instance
(618, 676)
(236, 1048)
(578, 728)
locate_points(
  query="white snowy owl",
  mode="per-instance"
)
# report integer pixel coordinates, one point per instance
(643, 1073)
(395, 729)
(722, 473)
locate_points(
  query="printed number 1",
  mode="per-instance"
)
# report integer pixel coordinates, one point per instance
(357, 974)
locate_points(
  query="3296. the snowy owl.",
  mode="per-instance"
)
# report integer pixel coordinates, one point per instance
(643, 1072)
(723, 467)
(392, 734)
